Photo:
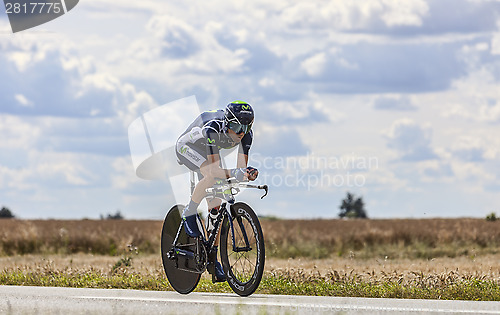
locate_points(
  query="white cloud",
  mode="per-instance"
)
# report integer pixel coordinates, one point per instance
(380, 67)
(383, 179)
(411, 140)
(408, 13)
(17, 133)
(180, 47)
(394, 102)
(315, 71)
(177, 38)
(314, 65)
(434, 170)
(468, 148)
(348, 15)
(48, 170)
(23, 101)
(267, 82)
(495, 42)
(479, 97)
(472, 173)
(51, 79)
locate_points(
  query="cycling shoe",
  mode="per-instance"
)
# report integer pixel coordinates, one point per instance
(191, 226)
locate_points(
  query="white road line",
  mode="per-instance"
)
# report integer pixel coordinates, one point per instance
(297, 306)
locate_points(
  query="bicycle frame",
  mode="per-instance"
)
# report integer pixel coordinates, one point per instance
(226, 192)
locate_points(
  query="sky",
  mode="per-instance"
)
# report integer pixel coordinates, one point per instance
(397, 102)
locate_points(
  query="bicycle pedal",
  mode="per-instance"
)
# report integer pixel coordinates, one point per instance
(216, 280)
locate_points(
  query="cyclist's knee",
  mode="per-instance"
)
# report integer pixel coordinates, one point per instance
(206, 171)
(208, 177)
(213, 203)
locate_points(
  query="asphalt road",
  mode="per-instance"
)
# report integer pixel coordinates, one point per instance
(46, 300)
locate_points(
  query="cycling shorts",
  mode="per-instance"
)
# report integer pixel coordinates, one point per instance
(190, 155)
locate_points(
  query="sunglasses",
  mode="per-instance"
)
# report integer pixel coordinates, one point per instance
(239, 128)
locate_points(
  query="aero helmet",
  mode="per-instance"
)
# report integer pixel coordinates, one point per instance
(239, 116)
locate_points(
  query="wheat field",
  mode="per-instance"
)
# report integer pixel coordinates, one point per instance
(433, 258)
(363, 239)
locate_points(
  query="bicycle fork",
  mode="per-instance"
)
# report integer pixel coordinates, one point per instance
(236, 249)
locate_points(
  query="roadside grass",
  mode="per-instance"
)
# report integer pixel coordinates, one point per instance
(455, 288)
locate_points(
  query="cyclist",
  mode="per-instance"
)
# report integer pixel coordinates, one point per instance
(198, 149)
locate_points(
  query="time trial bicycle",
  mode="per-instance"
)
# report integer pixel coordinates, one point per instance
(242, 249)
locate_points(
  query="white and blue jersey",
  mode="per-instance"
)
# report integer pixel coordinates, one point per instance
(207, 135)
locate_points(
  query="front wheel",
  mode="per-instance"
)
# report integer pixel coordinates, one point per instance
(243, 263)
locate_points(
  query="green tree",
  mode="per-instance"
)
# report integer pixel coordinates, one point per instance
(117, 216)
(5, 213)
(352, 207)
(491, 217)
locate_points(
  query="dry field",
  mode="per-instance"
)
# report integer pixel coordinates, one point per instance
(399, 238)
(374, 249)
(104, 237)
(361, 239)
(435, 258)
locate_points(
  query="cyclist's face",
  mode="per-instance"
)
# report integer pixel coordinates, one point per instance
(236, 137)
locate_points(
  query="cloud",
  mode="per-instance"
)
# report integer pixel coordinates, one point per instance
(278, 141)
(412, 141)
(53, 170)
(436, 170)
(495, 42)
(17, 133)
(477, 97)
(59, 101)
(396, 18)
(408, 13)
(177, 38)
(43, 78)
(314, 65)
(398, 103)
(177, 47)
(465, 17)
(258, 55)
(367, 67)
(469, 149)
(354, 15)
(64, 115)
(293, 113)
(182, 54)
(473, 172)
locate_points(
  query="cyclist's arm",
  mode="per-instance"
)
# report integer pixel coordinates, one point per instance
(243, 149)
(214, 169)
(242, 160)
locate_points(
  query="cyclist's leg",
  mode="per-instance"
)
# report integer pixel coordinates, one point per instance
(199, 193)
(213, 210)
(195, 159)
(214, 207)
(206, 182)
(214, 265)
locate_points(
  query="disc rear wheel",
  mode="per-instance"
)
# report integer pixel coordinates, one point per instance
(182, 281)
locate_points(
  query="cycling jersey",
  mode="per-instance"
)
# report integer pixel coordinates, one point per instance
(206, 136)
